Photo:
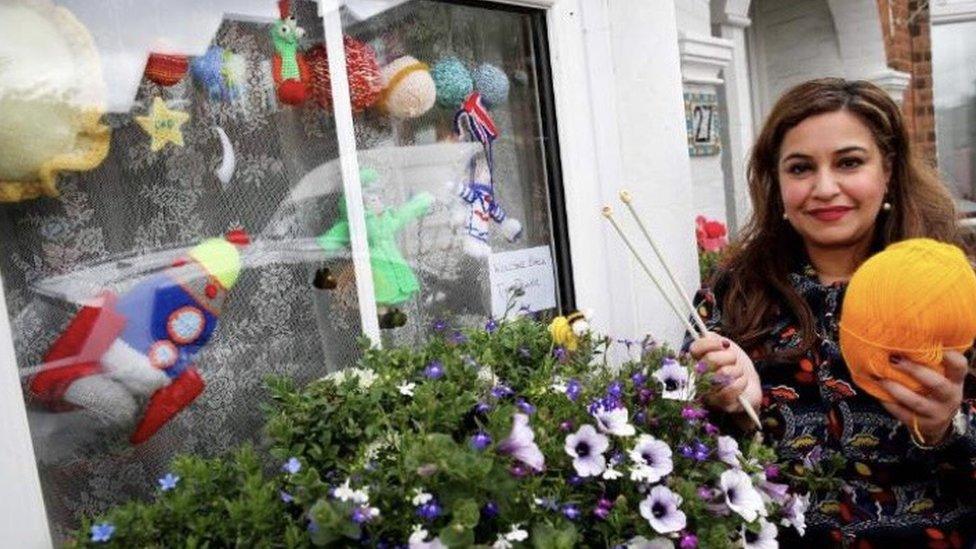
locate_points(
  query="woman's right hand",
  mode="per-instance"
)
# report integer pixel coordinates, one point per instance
(733, 369)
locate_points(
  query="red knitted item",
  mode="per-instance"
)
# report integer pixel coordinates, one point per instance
(166, 403)
(166, 70)
(291, 92)
(365, 83)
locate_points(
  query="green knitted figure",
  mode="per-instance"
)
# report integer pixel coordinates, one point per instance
(394, 282)
(289, 69)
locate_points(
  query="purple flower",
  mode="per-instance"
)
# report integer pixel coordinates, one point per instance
(705, 493)
(430, 510)
(693, 414)
(559, 353)
(615, 421)
(524, 406)
(638, 379)
(458, 338)
(771, 470)
(575, 480)
(501, 391)
(490, 510)
(439, 325)
(778, 493)
(566, 426)
(102, 532)
(168, 482)
(482, 408)
(285, 496)
(652, 458)
(741, 496)
(518, 470)
(573, 389)
(710, 429)
(640, 418)
(480, 441)
(794, 513)
(644, 395)
(701, 451)
(586, 447)
(813, 457)
(604, 502)
(688, 541)
(601, 512)
(701, 368)
(674, 379)
(660, 508)
(521, 445)
(571, 512)
(292, 465)
(434, 370)
(362, 514)
(728, 451)
(616, 389)
(491, 325)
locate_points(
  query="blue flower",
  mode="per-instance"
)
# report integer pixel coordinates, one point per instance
(573, 389)
(458, 338)
(501, 391)
(292, 465)
(100, 533)
(168, 482)
(571, 512)
(285, 496)
(434, 370)
(616, 389)
(638, 379)
(430, 510)
(490, 510)
(525, 406)
(701, 451)
(559, 353)
(480, 441)
(482, 408)
(362, 514)
(491, 325)
(439, 325)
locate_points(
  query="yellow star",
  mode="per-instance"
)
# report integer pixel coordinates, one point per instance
(163, 125)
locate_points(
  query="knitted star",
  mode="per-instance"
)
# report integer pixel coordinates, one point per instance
(163, 125)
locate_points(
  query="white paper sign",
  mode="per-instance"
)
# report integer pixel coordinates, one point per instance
(529, 270)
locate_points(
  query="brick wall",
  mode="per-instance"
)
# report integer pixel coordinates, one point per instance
(908, 47)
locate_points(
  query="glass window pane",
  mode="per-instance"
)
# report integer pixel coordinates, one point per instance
(954, 78)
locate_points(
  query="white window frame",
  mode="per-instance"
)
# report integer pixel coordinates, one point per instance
(24, 523)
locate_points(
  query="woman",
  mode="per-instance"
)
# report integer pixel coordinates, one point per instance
(833, 180)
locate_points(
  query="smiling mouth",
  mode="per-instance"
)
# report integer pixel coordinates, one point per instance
(829, 214)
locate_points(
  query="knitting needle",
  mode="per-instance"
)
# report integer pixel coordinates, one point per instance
(702, 329)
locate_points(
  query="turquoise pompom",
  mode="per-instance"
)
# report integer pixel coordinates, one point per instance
(492, 83)
(453, 82)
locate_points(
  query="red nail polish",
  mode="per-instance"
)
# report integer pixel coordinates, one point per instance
(726, 344)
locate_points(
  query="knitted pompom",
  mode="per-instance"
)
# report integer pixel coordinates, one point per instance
(915, 299)
(364, 74)
(166, 70)
(408, 89)
(453, 82)
(493, 84)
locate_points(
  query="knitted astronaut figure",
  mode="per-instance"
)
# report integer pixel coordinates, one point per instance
(481, 210)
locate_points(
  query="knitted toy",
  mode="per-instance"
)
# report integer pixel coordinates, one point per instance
(492, 83)
(453, 82)
(364, 74)
(221, 72)
(162, 125)
(52, 99)
(393, 280)
(915, 299)
(123, 349)
(408, 89)
(481, 210)
(474, 120)
(566, 330)
(289, 69)
(166, 70)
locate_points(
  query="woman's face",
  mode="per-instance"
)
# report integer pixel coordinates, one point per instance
(832, 179)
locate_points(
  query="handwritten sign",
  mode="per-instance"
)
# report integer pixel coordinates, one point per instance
(702, 122)
(527, 272)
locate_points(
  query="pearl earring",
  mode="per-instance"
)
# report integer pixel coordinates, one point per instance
(886, 206)
(785, 217)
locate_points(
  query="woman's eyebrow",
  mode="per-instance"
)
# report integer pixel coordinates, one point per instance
(852, 148)
(845, 150)
(800, 156)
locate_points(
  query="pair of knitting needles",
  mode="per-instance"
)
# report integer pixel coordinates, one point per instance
(698, 329)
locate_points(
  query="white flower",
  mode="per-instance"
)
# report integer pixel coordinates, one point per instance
(612, 474)
(501, 543)
(345, 493)
(586, 447)
(615, 422)
(420, 497)
(418, 537)
(559, 385)
(765, 539)
(517, 533)
(741, 496)
(521, 445)
(640, 542)
(660, 508)
(794, 513)
(652, 459)
(406, 389)
(728, 450)
(676, 382)
(364, 377)
(487, 376)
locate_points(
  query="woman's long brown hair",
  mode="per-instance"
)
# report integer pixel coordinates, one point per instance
(754, 278)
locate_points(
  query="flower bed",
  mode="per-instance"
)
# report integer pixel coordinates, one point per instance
(496, 437)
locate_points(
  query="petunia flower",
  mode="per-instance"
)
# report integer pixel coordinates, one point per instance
(521, 445)
(614, 422)
(675, 380)
(586, 447)
(292, 465)
(765, 539)
(102, 532)
(741, 496)
(728, 451)
(660, 508)
(168, 482)
(652, 459)
(794, 513)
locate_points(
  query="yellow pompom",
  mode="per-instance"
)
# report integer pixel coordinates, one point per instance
(562, 333)
(915, 299)
(221, 260)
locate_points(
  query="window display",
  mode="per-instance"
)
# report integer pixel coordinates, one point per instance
(175, 225)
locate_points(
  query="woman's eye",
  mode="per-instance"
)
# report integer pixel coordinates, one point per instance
(851, 162)
(797, 169)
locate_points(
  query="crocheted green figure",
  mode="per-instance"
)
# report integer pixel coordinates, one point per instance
(289, 69)
(394, 281)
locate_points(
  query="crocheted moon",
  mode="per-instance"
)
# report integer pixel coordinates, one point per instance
(52, 97)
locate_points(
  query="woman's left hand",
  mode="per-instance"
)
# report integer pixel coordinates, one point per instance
(934, 410)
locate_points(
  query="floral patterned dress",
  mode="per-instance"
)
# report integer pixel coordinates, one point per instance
(896, 494)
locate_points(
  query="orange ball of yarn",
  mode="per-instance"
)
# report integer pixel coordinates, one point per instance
(915, 299)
